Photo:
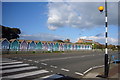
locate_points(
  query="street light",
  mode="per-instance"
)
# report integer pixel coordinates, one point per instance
(106, 67)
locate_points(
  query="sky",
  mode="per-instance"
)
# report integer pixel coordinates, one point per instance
(47, 21)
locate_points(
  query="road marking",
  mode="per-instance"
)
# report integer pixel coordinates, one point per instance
(92, 68)
(19, 69)
(36, 61)
(63, 69)
(27, 74)
(64, 58)
(97, 66)
(29, 60)
(47, 76)
(40, 67)
(82, 56)
(24, 59)
(51, 71)
(10, 66)
(14, 60)
(56, 76)
(44, 64)
(10, 63)
(87, 70)
(53, 66)
(79, 73)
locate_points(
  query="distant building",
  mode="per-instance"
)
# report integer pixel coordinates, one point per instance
(84, 41)
(67, 40)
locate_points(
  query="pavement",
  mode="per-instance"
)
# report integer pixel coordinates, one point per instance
(114, 72)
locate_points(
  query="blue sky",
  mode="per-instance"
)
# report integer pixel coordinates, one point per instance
(49, 21)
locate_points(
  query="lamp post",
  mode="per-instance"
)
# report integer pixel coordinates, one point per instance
(106, 65)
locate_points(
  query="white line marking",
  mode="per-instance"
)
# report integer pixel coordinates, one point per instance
(46, 76)
(64, 58)
(29, 60)
(56, 76)
(19, 69)
(82, 56)
(14, 60)
(44, 64)
(92, 68)
(10, 66)
(36, 61)
(79, 73)
(97, 66)
(53, 66)
(87, 70)
(10, 63)
(63, 69)
(51, 71)
(27, 74)
(40, 67)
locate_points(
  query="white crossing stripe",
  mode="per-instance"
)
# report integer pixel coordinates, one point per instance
(65, 69)
(18, 69)
(27, 74)
(53, 76)
(10, 66)
(47, 76)
(44, 64)
(79, 73)
(10, 63)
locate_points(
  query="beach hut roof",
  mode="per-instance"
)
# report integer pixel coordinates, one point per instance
(29, 41)
(2, 39)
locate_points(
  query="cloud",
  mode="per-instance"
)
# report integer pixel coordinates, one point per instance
(83, 15)
(42, 37)
(100, 39)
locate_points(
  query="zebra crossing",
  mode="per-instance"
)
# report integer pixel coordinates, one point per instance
(19, 70)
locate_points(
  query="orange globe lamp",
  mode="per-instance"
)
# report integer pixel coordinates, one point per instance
(101, 8)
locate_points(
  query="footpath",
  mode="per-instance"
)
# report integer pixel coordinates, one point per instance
(114, 73)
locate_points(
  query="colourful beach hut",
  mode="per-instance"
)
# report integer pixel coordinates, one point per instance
(44, 45)
(31, 45)
(14, 46)
(56, 46)
(24, 46)
(4, 44)
(39, 46)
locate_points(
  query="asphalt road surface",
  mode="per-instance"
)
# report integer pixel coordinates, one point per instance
(41, 66)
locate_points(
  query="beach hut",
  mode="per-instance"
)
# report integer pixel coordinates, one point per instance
(56, 46)
(60, 47)
(31, 45)
(4, 44)
(14, 45)
(24, 45)
(65, 46)
(52, 46)
(38, 45)
(44, 45)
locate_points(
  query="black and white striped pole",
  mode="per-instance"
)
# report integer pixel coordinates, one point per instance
(106, 65)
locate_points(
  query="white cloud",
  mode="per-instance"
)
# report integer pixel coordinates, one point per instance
(82, 15)
(100, 39)
(42, 37)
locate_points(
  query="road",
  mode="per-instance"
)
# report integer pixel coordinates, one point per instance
(73, 64)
